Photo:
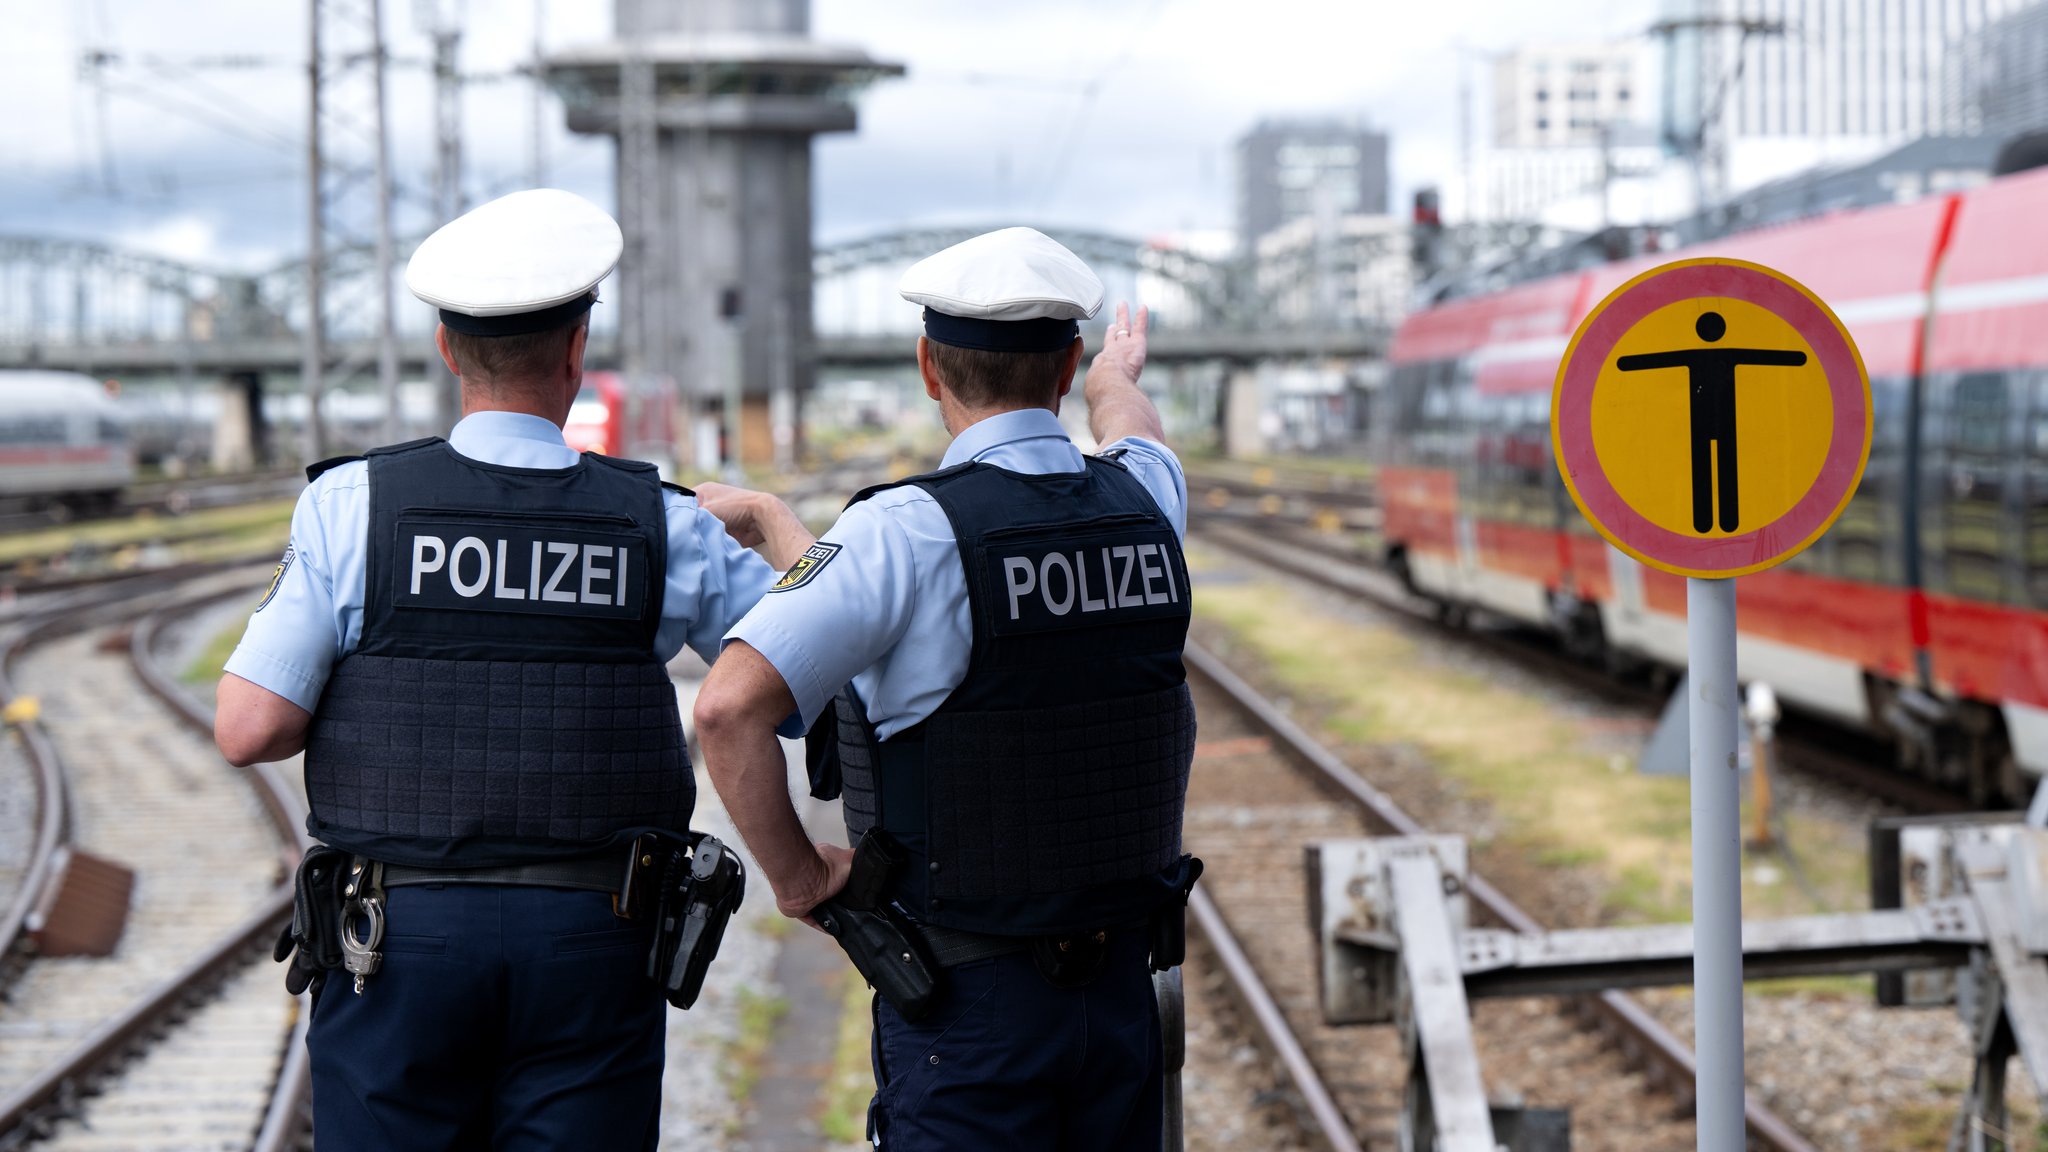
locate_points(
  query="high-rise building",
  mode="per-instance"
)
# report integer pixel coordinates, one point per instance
(1566, 94)
(1997, 77)
(1297, 169)
(1829, 76)
(1569, 121)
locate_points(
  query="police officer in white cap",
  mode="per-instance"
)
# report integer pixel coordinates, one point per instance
(997, 648)
(466, 638)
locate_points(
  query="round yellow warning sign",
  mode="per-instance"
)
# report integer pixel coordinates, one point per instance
(1711, 417)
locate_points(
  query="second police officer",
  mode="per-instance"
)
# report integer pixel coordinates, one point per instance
(1008, 633)
(467, 640)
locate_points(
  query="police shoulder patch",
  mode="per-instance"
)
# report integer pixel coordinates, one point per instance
(291, 553)
(807, 566)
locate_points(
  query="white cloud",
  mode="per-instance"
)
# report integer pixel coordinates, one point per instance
(1119, 113)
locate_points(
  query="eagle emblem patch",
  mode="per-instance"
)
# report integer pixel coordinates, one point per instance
(284, 565)
(807, 566)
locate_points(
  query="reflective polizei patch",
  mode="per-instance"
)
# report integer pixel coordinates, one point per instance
(1116, 577)
(807, 566)
(479, 563)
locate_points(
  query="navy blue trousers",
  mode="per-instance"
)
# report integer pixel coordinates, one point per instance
(502, 1018)
(1007, 1062)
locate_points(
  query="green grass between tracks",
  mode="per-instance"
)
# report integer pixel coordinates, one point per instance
(209, 534)
(1561, 785)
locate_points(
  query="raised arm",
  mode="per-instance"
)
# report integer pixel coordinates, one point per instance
(1116, 407)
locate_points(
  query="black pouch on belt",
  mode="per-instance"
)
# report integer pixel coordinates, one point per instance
(883, 944)
(312, 941)
(1169, 924)
(702, 884)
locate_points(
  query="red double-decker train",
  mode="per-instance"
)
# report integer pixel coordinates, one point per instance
(1922, 615)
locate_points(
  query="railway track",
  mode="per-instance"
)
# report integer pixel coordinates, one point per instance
(1250, 821)
(1329, 560)
(179, 1038)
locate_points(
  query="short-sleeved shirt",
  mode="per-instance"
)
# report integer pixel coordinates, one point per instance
(887, 611)
(314, 614)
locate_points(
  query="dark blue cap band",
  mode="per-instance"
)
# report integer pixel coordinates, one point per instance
(1040, 335)
(519, 323)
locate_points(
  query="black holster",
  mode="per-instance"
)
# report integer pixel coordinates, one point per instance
(312, 941)
(701, 885)
(1169, 924)
(883, 944)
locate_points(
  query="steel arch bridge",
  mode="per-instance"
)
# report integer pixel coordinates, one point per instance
(1212, 285)
(68, 303)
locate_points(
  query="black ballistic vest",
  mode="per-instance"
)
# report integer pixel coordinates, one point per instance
(504, 703)
(1045, 794)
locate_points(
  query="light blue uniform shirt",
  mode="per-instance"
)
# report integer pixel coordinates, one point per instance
(314, 615)
(888, 611)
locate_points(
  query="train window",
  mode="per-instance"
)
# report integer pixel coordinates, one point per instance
(111, 432)
(1865, 542)
(35, 430)
(2034, 560)
(1979, 419)
(1976, 536)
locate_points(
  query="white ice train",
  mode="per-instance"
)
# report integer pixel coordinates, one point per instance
(63, 443)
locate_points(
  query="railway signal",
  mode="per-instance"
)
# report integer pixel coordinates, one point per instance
(1712, 418)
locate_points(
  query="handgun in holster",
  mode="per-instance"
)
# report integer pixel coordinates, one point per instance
(883, 944)
(701, 883)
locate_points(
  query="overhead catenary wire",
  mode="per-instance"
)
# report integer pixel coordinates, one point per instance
(1064, 155)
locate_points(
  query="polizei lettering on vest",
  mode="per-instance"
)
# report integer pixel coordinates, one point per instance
(516, 567)
(1054, 585)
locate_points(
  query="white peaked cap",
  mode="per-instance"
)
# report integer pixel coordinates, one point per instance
(1011, 274)
(537, 252)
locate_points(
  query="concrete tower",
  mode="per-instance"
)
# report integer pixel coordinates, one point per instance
(714, 103)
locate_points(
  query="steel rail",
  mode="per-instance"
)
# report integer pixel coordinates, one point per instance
(20, 1110)
(45, 765)
(285, 1122)
(1258, 1002)
(52, 808)
(26, 1112)
(1670, 1059)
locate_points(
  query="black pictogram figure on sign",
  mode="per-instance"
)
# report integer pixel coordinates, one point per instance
(1712, 372)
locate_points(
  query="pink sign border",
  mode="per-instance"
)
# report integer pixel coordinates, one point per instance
(1848, 445)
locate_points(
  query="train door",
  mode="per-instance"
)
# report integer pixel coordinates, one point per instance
(2026, 696)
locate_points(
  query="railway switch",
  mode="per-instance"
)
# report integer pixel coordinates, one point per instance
(1395, 943)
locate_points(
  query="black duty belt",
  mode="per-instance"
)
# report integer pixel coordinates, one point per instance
(605, 872)
(950, 947)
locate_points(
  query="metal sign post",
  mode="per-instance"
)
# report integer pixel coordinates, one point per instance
(1716, 862)
(1711, 418)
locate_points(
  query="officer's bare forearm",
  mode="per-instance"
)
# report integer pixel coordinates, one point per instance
(742, 701)
(783, 537)
(254, 725)
(1118, 408)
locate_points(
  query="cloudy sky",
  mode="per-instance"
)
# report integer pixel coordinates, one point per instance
(1117, 114)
